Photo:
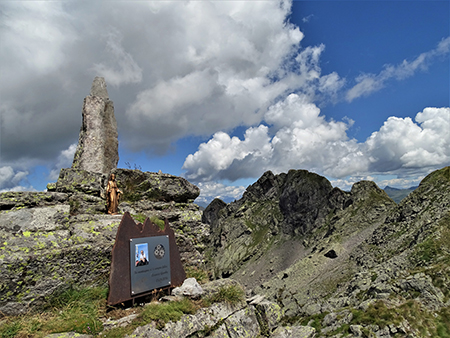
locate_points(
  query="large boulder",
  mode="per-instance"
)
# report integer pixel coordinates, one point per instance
(137, 185)
(44, 249)
(98, 145)
(77, 181)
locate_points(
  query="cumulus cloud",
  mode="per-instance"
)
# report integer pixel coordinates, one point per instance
(299, 138)
(11, 180)
(403, 143)
(302, 138)
(64, 160)
(228, 67)
(368, 83)
(175, 69)
(181, 68)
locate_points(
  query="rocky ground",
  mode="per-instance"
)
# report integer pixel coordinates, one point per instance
(313, 260)
(53, 239)
(355, 263)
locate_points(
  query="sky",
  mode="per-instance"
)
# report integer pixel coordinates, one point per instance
(219, 92)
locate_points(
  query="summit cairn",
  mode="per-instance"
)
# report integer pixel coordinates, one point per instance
(98, 145)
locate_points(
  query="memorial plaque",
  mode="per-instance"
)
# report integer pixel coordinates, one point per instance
(144, 258)
(150, 263)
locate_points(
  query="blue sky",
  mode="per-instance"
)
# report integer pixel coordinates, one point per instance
(220, 92)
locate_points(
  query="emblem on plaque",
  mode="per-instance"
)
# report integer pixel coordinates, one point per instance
(159, 251)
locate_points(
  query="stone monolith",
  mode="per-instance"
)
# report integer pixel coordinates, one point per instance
(98, 145)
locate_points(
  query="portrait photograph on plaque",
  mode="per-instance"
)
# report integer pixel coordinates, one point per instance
(141, 254)
(150, 263)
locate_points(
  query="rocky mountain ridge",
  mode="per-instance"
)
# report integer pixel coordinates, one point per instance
(329, 257)
(332, 263)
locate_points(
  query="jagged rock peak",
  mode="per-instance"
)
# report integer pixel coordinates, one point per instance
(99, 88)
(98, 144)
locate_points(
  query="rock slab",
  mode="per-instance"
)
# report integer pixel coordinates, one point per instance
(98, 144)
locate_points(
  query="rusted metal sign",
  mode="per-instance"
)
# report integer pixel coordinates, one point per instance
(130, 276)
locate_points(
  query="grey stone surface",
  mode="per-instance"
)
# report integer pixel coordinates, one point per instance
(98, 145)
(380, 248)
(389, 257)
(140, 187)
(190, 288)
(77, 181)
(211, 213)
(294, 331)
(44, 249)
(98, 88)
(243, 323)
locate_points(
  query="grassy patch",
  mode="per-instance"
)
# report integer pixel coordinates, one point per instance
(231, 294)
(378, 314)
(74, 309)
(10, 329)
(200, 275)
(314, 321)
(166, 312)
(436, 248)
(154, 219)
(159, 222)
(140, 218)
(420, 319)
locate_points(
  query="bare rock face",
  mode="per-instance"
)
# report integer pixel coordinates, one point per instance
(98, 145)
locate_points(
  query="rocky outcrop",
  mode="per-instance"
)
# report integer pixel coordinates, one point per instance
(143, 192)
(98, 145)
(255, 317)
(275, 208)
(44, 249)
(354, 264)
(338, 260)
(146, 186)
(211, 213)
(53, 239)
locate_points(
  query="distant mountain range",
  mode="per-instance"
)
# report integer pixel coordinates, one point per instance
(398, 194)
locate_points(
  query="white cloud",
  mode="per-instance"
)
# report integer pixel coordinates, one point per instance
(180, 68)
(301, 138)
(121, 67)
(64, 160)
(212, 190)
(401, 143)
(222, 67)
(306, 19)
(222, 151)
(11, 179)
(369, 83)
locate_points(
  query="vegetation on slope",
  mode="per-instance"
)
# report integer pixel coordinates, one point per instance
(80, 310)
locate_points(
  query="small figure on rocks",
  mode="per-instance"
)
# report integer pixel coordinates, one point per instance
(112, 195)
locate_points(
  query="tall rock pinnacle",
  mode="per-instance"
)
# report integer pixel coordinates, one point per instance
(98, 144)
